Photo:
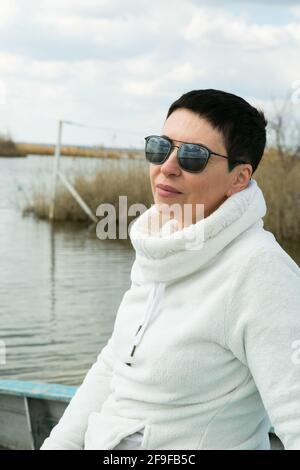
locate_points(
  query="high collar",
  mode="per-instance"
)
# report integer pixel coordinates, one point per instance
(167, 254)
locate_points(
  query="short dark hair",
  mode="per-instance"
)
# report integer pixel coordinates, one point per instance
(243, 126)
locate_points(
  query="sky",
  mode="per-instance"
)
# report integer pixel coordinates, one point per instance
(117, 65)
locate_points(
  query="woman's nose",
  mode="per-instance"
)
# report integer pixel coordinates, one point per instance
(171, 166)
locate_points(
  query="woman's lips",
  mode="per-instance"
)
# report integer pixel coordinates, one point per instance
(166, 193)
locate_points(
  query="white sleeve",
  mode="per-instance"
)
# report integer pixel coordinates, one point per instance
(68, 434)
(263, 331)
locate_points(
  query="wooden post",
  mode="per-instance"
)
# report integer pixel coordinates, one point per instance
(55, 169)
(65, 182)
(77, 197)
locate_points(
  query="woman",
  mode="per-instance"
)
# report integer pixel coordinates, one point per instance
(202, 354)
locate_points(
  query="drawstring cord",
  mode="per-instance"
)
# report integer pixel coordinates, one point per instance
(153, 300)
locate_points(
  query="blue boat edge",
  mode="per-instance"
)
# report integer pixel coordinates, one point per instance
(41, 390)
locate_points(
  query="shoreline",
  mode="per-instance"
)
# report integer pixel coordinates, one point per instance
(17, 150)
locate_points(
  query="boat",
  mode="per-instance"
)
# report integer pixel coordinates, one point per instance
(29, 410)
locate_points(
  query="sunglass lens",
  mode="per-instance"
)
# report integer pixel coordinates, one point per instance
(156, 149)
(192, 158)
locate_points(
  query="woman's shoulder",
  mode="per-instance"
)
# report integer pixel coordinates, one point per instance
(258, 245)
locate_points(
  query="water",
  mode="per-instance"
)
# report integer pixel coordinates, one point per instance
(59, 289)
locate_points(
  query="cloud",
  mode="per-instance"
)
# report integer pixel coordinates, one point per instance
(122, 63)
(216, 26)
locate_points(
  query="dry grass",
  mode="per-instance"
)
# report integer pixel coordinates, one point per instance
(280, 183)
(10, 148)
(105, 186)
(281, 188)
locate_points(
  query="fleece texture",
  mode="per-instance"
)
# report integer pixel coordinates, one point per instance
(205, 349)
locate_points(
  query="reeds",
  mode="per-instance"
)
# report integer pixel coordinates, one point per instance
(279, 181)
(10, 148)
(104, 186)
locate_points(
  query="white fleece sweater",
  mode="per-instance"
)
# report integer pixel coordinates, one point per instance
(217, 359)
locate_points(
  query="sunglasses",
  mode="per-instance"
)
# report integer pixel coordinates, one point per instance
(191, 157)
